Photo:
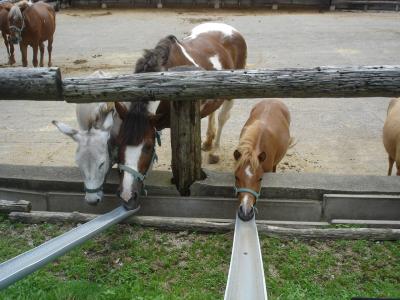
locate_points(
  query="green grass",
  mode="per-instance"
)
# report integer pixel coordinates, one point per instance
(128, 262)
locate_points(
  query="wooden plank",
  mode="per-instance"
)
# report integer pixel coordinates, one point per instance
(205, 225)
(185, 144)
(20, 205)
(44, 84)
(30, 84)
(383, 81)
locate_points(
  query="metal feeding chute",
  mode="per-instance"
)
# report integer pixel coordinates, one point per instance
(246, 279)
(28, 262)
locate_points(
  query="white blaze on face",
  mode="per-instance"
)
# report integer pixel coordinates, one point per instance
(225, 29)
(132, 155)
(248, 171)
(215, 62)
(246, 204)
(189, 58)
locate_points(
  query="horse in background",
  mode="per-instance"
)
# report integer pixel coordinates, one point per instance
(98, 127)
(391, 135)
(263, 143)
(210, 46)
(32, 25)
(5, 30)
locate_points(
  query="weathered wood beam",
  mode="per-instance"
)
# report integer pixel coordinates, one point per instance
(361, 81)
(30, 84)
(207, 225)
(7, 206)
(185, 144)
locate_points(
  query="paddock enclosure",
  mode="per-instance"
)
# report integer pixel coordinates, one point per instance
(293, 205)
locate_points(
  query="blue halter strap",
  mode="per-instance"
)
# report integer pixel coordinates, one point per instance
(246, 190)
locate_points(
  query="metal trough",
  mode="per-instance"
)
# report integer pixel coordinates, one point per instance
(246, 279)
(30, 261)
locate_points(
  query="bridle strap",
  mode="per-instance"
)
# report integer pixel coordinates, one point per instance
(246, 190)
(137, 175)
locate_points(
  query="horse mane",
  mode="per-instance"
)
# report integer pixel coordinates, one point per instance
(154, 59)
(135, 124)
(100, 114)
(247, 149)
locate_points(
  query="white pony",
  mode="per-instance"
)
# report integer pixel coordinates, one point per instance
(99, 125)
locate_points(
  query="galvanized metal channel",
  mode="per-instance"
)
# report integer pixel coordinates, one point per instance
(246, 280)
(30, 261)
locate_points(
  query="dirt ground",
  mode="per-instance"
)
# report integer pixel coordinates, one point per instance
(339, 136)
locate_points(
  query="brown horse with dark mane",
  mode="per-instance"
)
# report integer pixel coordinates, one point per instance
(5, 30)
(32, 25)
(211, 46)
(263, 143)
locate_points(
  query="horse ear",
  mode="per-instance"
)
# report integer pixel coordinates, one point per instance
(121, 110)
(67, 130)
(262, 156)
(108, 122)
(237, 155)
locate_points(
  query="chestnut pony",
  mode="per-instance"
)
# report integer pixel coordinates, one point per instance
(5, 30)
(391, 135)
(263, 143)
(32, 25)
(210, 46)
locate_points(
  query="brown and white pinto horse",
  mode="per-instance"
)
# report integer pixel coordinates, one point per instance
(264, 140)
(211, 46)
(32, 25)
(5, 30)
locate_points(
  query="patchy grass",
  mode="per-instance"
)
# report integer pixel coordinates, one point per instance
(129, 262)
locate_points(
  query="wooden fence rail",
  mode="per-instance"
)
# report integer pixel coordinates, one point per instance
(46, 84)
(185, 86)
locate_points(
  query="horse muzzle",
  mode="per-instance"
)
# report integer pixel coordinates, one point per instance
(132, 203)
(245, 212)
(15, 40)
(94, 198)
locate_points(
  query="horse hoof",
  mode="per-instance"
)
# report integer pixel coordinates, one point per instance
(206, 146)
(213, 159)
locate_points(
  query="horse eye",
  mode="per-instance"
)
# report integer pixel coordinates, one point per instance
(260, 179)
(236, 178)
(101, 165)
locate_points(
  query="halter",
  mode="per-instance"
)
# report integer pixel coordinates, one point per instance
(136, 174)
(250, 191)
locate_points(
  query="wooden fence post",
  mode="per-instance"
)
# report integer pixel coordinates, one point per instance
(185, 144)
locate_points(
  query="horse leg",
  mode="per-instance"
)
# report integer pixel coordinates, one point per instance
(11, 59)
(391, 162)
(210, 133)
(35, 48)
(6, 43)
(223, 116)
(24, 50)
(49, 49)
(41, 48)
